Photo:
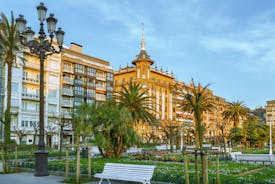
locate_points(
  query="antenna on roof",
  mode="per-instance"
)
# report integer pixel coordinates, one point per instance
(142, 39)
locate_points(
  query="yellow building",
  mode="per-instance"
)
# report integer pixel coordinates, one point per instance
(165, 92)
(159, 84)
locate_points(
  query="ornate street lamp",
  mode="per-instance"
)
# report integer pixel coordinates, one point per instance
(42, 47)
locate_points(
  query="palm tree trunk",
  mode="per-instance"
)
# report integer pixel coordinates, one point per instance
(8, 120)
(197, 166)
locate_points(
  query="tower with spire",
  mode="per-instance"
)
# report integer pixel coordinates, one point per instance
(143, 61)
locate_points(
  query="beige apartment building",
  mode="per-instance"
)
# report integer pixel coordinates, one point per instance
(84, 78)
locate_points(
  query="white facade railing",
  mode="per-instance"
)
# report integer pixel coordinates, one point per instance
(30, 96)
(68, 80)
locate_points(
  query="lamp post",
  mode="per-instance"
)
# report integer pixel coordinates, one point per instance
(42, 47)
(269, 118)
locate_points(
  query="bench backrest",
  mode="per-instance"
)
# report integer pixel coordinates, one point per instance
(254, 157)
(129, 170)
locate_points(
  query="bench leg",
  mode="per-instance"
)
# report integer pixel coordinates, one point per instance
(103, 179)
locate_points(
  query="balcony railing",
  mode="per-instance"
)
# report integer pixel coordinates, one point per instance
(67, 91)
(66, 114)
(68, 69)
(67, 103)
(68, 80)
(90, 84)
(30, 96)
(30, 80)
(100, 87)
(53, 114)
(101, 77)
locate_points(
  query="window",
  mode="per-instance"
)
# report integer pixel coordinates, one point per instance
(91, 93)
(78, 90)
(90, 101)
(110, 76)
(52, 108)
(78, 101)
(109, 95)
(91, 71)
(15, 87)
(53, 79)
(79, 80)
(79, 68)
(52, 93)
(24, 106)
(91, 82)
(25, 74)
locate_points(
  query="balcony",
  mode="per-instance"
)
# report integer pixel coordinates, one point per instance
(101, 87)
(109, 88)
(53, 114)
(30, 80)
(79, 82)
(30, 111)
(90, 84)
(67, 103)
(32, 65)
(67, 91)
(30, 96)
(66, 114)
(68, 69)
(68, 80)
(101, 77)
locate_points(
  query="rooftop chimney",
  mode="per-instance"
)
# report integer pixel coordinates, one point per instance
(76, 47)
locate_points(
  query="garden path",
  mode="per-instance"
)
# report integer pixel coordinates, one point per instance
(251, 171)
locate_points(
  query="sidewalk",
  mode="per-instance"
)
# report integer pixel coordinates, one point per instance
(29, 178)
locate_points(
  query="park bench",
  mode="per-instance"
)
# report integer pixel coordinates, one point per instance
(255, 158)
(126, 172)
(134, 150)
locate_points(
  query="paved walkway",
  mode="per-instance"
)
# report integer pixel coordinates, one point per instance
(29, 178)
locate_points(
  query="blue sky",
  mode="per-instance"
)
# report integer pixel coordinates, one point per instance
(230, 44)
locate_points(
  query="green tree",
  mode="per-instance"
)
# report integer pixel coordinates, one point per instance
(113, 129)
(234, 112)
(236, 136)
(256, 133)
(81, 121)
(197, 100)
(10, 47)
(135, 98)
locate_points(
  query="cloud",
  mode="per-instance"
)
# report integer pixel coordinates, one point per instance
(253, 45)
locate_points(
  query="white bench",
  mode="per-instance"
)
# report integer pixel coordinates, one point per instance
(133, 150)
(126, 172)
(164, 147)
(255, 157)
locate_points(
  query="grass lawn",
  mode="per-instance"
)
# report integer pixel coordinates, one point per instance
(173, 172)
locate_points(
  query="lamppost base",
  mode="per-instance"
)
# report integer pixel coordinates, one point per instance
(41, 163)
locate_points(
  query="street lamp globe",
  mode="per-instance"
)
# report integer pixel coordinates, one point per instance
(29, 33)
(51, 23)
(41, 10)
(20, 23)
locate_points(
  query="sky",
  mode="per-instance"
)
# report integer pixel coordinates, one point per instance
(229, 44)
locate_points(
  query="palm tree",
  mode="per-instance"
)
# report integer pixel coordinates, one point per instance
(135, 98)
(10, 47)
(234, 112)
(197, 100)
